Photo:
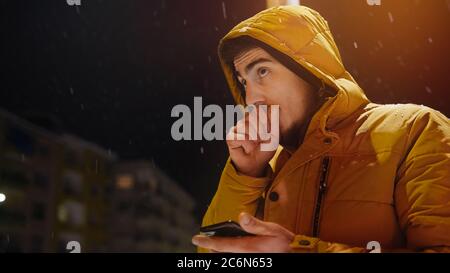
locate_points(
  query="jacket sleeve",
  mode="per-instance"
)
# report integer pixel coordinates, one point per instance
(305, 244)
(422, 193)
(236, 193)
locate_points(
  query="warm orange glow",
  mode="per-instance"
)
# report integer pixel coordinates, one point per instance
(274, 3)
(124, 182)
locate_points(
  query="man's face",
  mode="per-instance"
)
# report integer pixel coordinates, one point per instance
(268, 82)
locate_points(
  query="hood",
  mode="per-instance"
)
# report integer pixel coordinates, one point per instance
(302, 34)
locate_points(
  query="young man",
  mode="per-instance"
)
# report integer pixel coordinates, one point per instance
(347, 172)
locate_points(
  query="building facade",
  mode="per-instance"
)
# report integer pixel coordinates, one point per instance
(54, 188)
(57, 190)
(151, 213)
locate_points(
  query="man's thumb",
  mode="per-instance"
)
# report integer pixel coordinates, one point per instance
(254, 225)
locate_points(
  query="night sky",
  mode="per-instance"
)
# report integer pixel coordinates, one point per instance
(111, 71)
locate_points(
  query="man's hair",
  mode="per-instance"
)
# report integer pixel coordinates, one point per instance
(237, 46)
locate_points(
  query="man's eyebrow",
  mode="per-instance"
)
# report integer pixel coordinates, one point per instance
(255, 62)
(252, 64)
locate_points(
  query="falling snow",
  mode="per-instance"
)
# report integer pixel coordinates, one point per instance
(224, 10)
(391, 17)
(380, 47)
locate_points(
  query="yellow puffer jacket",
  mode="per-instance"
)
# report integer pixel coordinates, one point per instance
(365, 172)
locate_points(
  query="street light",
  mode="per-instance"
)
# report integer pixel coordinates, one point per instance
(2, 197)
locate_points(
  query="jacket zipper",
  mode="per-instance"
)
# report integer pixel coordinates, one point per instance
(320, 195)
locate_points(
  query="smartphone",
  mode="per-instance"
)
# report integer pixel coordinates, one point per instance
(224, 229)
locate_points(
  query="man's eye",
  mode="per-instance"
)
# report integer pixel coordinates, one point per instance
(262, 72)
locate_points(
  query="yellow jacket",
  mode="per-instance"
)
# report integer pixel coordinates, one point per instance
(365, 172)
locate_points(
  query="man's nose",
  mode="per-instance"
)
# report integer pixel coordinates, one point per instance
(253, 94)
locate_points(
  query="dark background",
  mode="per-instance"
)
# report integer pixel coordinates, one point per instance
(111, 71)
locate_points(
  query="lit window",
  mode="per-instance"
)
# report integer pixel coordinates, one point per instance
(124, 182)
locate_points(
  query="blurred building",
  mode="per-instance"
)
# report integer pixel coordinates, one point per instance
(56, 188)
(52, 188)
(83, 195)
(151, 213)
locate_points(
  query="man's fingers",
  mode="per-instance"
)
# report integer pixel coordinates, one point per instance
(263, 125)
(255, 226)
(247, 146)
(264, 116)
(254, 125)
(247, 127)
(255, 130)
(245, 244)
(219, 244)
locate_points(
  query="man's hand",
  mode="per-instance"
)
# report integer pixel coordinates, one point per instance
(270, 237)
(245, 139)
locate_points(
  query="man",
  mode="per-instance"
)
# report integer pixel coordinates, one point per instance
(347, 172)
